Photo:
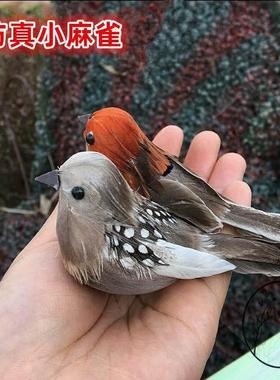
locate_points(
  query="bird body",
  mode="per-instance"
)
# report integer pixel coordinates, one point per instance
(116, 240)
(158, 176)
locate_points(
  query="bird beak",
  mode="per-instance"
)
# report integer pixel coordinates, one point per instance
(50, 179)
(83, 119)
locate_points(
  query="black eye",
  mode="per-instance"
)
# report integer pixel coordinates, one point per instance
(90, 138)
(78, 192)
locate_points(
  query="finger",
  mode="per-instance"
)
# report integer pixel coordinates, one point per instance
(229, 168)
(203, 152)
(239, 192)
(170, 139)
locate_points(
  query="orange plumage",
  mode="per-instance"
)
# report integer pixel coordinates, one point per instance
(114, 133)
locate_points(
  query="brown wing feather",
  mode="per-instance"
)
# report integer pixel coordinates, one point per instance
(181, 201)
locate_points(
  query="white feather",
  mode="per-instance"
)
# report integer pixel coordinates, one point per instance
(187, 263)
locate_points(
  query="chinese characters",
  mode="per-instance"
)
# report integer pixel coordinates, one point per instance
(70, 36)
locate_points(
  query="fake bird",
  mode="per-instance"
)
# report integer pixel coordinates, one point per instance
(114, 239)
(162, 178)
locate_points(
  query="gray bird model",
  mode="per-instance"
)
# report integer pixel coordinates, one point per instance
(113, 239)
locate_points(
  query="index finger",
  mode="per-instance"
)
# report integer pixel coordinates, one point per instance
(170, 139)
(203, 153)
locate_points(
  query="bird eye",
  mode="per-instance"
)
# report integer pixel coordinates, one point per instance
(90, 138)
(78, 192)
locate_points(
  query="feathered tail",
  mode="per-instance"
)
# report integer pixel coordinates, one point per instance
(249, 255)
(250, 221)
(256, 222)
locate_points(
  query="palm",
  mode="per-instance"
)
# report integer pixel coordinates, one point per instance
(54, 328)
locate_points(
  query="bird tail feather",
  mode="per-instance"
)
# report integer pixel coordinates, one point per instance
(258, 223)
(248, 255)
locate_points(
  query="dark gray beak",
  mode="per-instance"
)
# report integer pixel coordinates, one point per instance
(50, 179)
(83, 119)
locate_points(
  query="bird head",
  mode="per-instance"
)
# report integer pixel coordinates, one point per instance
(114, 133)
(90, 184)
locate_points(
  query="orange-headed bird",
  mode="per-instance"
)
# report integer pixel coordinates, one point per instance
(162, 178)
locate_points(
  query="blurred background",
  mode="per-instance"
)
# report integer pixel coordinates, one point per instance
(198, 64)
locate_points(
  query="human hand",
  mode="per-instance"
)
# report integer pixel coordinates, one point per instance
(53, 328)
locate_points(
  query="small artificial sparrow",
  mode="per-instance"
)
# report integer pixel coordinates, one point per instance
(162, 178)
(114, 239)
